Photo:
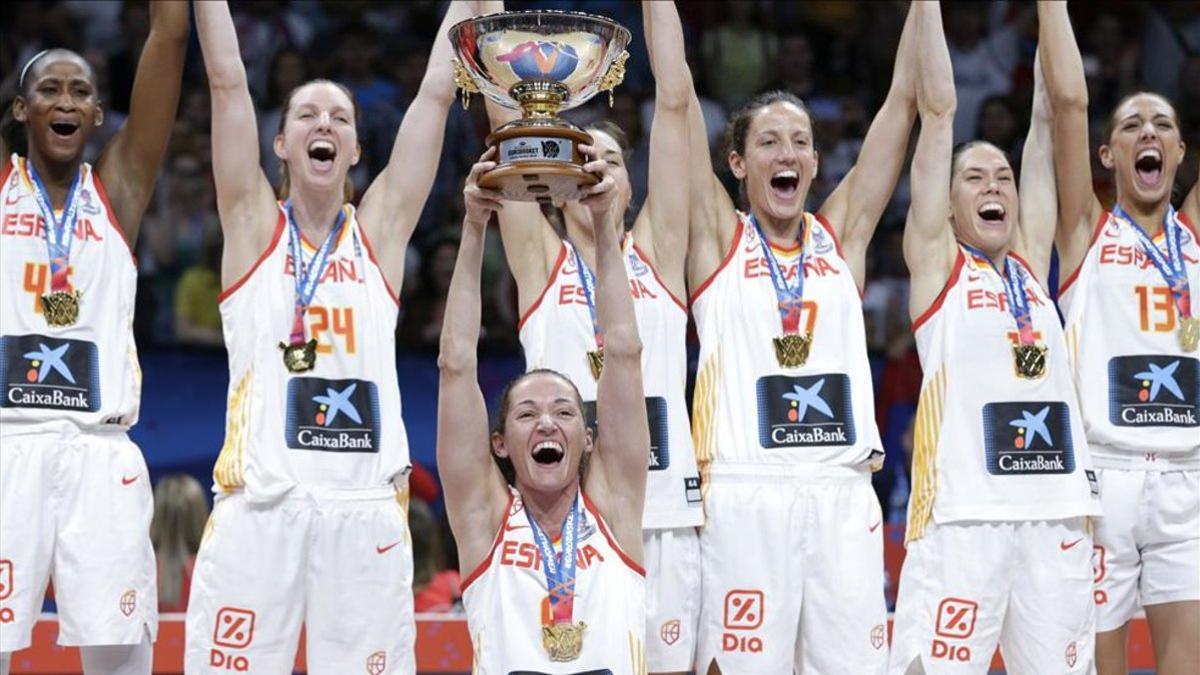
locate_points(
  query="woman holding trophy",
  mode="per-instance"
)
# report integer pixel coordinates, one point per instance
(552, 251)
(310, 519)
(537, 602)
(783, 415)
(1133, 325)
(75, 499)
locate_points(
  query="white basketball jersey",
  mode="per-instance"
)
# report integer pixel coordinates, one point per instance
(507, 601)
(556, 333)
(751, 412)
(1140, 391)
(87, 373)
(988, 444)
(337, 425)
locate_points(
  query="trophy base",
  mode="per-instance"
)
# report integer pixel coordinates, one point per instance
(539, 161)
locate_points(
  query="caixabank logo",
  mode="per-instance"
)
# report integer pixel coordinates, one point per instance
(54, 373)
(808, 411)
(1154, 391)
(656, 415)
(332, 415)
(1028, 437)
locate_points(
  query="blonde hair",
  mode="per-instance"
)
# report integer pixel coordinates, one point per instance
(180, 512)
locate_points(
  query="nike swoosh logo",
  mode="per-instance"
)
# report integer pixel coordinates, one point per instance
(1065, 546)
(384, 549)
(130, 481)
(875, 526)
(511, 528)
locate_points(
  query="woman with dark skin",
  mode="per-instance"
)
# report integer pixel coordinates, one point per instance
(68, 229)
(1130, 280)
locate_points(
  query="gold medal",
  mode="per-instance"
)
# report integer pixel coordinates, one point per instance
(1029, 361)
(596, 362)
(61, 308)
(1189, 333)
(792, 350)
(301, 357)
(563, 641)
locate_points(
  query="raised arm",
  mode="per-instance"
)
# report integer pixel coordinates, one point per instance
(392, 204)
(1062, 66)
(245, 199)
(855, 206)
(668, 201)
(1038, 196)
(616, 478)
(1191, 205)
(929, 247)
(475, 491)
(129, 165)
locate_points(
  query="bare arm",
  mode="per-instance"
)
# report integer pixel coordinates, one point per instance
(669, 142)
(129, 165)
(1062, 66)
(475, 491)
(245, 199)
(616, 478)
(929, 246)
(1038, 196)
(855, 206)
(392, 204)
(1191, 205)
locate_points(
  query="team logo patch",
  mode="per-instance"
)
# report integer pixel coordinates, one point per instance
(656, 415)
(54, 373)
(639, 268)
(669, 632)
(808, 411)
(86, 204)
(128, 602)
(1153, 391)
(821, 243)
(1028, 437)
(376, 663)
(332, 415)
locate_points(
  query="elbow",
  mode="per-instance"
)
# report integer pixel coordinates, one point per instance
(1074, 99)
(456, 360)
(938, 109)
(623, 342)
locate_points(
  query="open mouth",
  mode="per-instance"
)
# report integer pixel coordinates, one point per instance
(548, 453)
(1148, 167)
(992, 212)
(64, 129)
(322, 153)
(785, 183)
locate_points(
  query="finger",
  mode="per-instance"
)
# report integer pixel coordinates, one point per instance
(588, 150)
(597, 166)
(488, 154)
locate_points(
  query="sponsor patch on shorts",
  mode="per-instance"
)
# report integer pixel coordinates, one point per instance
(807, 411)
(332, 415)
(50, 373)
(1028, 437)
(1154, 391)
(656, 416)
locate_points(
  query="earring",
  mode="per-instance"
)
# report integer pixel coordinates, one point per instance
(99, 121)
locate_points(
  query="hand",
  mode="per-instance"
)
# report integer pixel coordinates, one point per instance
(600, 198)
(480, 202)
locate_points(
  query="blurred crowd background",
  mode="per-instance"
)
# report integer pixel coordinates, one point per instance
(835, 54)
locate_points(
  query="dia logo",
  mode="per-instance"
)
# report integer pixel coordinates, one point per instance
(808, 411)
(332, 415)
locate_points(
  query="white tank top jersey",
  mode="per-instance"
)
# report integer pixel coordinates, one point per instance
(988, 444)
(556, 333)
(749, 413)
(86, 374)
(507, 602)
(337, 425)
(1140, 391)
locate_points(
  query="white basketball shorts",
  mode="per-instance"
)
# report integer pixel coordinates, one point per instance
(967, 586)
(340, 562)
(76, 507)
(672, 559)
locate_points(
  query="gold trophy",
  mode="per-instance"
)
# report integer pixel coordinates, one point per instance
(541, 62)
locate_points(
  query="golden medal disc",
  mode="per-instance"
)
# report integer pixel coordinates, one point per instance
(563, 641)
(1030, 361)
(300, 357)
(1189, 333)
(596, 362)
(61, 308)
(792, 350)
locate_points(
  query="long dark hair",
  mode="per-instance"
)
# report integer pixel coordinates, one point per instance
(739, 124)
(499, 422)
(554, 214)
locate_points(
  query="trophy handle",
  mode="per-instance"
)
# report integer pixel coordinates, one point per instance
(462, 78)
(614, 76)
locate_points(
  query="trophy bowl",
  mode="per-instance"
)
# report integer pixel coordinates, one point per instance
(540, 63)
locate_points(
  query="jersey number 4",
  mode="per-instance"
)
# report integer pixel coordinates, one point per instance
(37, 282)
(339, 321)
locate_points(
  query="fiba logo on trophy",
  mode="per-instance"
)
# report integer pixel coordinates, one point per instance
(542, 63)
